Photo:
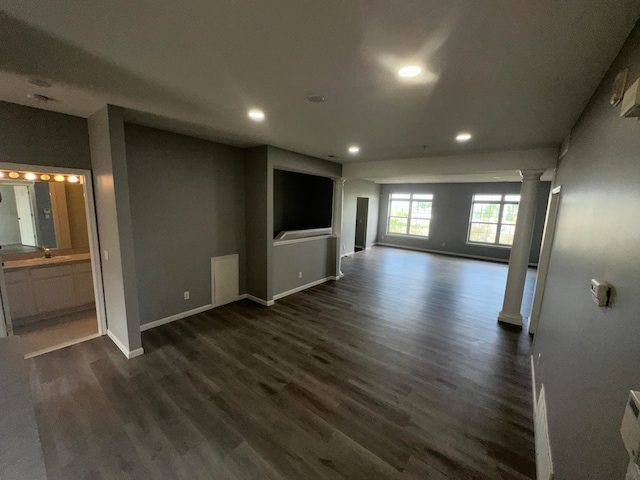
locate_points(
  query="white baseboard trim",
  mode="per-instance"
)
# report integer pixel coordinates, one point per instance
(129, 354)
(533, 387)
(451, 254)
(336, 278)
(347, 254)
(303, 287)
(173, 318)
(266, 303)
(243, 296)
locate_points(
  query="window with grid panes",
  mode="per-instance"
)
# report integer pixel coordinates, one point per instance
(493, 219)
(410, 214)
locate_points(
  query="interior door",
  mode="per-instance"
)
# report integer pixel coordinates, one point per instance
(362, 213)
(25, 216)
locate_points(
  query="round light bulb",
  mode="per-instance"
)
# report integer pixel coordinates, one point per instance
(409, 71)
(1, 174)
(45, 177)
(30, 176)
(73, 179)
(14, 175)
(256, 115)
(59, 178)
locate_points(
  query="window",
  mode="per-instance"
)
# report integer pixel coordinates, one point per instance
(410, 214)
(493, 219)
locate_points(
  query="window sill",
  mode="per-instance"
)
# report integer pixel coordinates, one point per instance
(405, 235)
(494, 245)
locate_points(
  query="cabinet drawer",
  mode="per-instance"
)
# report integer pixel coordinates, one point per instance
(19, 276)
(49, 272)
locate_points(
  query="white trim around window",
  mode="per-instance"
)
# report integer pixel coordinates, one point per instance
(410, 214)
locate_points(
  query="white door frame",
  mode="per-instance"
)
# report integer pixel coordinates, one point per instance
(92, 227)
(545, 257)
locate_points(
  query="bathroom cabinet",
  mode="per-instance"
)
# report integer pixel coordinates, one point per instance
(36, 289)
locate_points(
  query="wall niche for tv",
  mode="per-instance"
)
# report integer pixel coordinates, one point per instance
(301, 201)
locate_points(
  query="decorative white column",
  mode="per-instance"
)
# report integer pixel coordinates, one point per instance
(338, 202)
(519, 258)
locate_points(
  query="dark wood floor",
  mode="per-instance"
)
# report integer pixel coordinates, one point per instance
(397, 371)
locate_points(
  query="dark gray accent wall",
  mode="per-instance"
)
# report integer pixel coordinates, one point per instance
(39, 137)
(450, 218)
(187, 206)
(352, 190)
(258, 227)
(588, 358)
(9, 226)
(312, 258)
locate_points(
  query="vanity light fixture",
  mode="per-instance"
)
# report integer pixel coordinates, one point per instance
(73, 179)
(463, 137)
(409, 71)
(59, 178)
(14, 175)
(256, 115)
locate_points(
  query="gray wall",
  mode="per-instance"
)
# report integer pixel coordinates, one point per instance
(588, 357)
(187, 205)
(38, 137)
(109, 161)
(258, 227)
(312, 257)
(450, 218)
(352, 190)
(9, 226)
(46, 226)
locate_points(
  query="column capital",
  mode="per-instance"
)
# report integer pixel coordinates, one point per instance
(531, 174)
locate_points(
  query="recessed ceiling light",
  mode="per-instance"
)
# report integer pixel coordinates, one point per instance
(316, 98)
(40, 98)
(39, 82)
(409, 71)
(354, 149)
(256, 115)
(463, 137)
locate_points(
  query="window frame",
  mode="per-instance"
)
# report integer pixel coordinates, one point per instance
(502, 202)
(411, 201)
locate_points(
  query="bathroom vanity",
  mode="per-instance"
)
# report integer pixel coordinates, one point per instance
(39, 286)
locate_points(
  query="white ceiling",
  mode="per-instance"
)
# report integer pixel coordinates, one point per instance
(516, 74)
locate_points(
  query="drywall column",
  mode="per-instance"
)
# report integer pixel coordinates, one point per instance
(519, 258)
(109, 168)
(338, 205)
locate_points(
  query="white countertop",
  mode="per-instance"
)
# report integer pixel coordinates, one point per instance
(41, 261)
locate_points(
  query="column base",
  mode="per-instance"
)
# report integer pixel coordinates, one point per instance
(510, 319)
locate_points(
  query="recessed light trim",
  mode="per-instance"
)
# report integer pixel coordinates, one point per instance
(38, 82)
(463, 137)
(40, 98)
(409, 71)
(354, 149)
(256, 115)
(315, 98)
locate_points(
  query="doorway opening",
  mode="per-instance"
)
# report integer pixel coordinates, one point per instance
(50, 280)
(362, 214)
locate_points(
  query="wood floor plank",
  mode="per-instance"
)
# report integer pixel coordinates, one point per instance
(397, 371)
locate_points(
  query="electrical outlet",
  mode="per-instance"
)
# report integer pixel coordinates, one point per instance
(299, 274)
(186, 295)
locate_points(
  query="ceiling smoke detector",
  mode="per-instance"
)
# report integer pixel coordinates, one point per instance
(315, 98)
(40, 98)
